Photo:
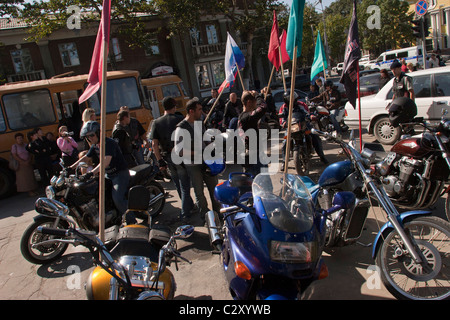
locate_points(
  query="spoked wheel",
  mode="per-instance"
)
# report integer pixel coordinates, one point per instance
(44, 253)
(406, 279)
(301, 161)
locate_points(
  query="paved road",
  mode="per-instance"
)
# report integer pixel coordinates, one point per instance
(350, 273)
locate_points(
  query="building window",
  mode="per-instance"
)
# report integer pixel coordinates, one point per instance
(196, 39)
(116, 49)
(218, 72)
(152, 48)
(204, 82)
(22, 60)
(211, 34)
(69, 54)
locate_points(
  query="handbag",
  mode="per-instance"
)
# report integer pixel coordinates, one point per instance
(13, 163)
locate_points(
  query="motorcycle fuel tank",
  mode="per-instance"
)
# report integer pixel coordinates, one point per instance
(411, 147)
(335, 173)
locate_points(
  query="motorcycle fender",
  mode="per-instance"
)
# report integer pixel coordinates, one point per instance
(388, 227)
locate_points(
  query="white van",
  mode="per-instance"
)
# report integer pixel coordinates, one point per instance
(411, 54)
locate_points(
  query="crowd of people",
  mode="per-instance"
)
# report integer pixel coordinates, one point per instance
(125, 148)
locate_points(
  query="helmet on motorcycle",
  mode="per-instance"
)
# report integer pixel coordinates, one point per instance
(402, 110)
(89, 127)
(287, 97)
(215, 167)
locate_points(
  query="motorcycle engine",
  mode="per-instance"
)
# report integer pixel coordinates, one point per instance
(400, 184)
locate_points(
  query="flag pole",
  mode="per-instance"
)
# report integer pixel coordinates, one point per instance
(270, 80)
(240, 77)
(359, 102)
(291, 103)
(282, 69)
(101, 207)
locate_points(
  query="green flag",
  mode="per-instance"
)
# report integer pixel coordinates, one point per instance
(295, 28)
(320, 61)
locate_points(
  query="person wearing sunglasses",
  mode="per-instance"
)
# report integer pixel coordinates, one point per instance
(116, 168)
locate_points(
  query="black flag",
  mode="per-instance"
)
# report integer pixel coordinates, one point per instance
(352, 55)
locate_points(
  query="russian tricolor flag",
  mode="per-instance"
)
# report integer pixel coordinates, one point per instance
(234, 59)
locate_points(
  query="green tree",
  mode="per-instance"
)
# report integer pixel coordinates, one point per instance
(46, 17)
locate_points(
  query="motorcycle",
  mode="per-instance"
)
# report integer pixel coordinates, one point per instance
(301, 141)
(269, 235)
(411, 249)
(416, 170)
(135, 268)
(80, 194)
(320, 117)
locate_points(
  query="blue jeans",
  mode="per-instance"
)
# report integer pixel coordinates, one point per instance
(180, 178)
(333, 114)
(120, 182)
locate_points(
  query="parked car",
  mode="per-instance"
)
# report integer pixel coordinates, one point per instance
(338, 69)
(432, 91)
(302, 82)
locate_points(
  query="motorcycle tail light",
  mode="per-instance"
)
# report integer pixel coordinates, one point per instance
(242, 271)
(323, 272)
(346, 114)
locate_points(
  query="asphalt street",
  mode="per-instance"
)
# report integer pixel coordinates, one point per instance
(351, 269)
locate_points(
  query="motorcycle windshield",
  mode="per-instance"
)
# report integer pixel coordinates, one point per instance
(286, 200)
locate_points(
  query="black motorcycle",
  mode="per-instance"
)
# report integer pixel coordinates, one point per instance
(80, 195)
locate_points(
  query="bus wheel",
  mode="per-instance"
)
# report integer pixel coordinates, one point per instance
(7, 181)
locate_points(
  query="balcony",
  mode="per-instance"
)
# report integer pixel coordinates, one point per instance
(215, 49)
(28, 76)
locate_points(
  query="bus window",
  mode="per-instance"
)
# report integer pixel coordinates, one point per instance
(171, 90)
(2, 122)
(28, 109)
(119, 93)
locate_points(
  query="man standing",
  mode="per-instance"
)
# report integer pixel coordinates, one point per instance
(121, 134)
(186, 137)
(138, 138)
(233, 109)
(162, 145)
(254, 109)
(331, 98)
(402, 86)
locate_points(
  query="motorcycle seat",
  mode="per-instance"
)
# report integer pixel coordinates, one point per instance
(136, 173)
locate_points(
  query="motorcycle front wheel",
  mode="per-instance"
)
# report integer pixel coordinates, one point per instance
(406, 279)
(301, 161)
(44, 253)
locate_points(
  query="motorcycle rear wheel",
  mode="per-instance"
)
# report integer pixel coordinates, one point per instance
(404, 278)
(156, 188)
(45, 253)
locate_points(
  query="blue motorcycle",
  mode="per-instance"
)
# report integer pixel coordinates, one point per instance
(411, 250)
(269, 235)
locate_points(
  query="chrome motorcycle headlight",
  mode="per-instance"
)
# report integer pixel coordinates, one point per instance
(294, 252)
(50, 192)
(59, 182)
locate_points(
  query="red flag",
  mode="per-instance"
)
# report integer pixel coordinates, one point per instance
(95, 72)
(284, 54)
(274, 45)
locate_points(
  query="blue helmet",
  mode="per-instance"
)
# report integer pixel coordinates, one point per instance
(215, 167)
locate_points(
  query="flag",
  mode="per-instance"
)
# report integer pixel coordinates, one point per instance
(284, 55)
(320, 61)
(295, 28)
(95, 71)
(274, 44)
(234, 58)
(351, 59)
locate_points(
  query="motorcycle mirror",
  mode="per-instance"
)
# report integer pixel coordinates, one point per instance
(184, 232)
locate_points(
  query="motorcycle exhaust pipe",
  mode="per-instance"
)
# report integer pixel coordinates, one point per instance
(213, 223)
